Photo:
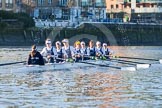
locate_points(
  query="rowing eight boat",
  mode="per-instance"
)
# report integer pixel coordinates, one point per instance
(67, 66)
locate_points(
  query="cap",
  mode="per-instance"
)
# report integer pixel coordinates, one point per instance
(58, 42)
(98, 42)
(65, 41)
(48, 41)
(104, 44)
(82, 43)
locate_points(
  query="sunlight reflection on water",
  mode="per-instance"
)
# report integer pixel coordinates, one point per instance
(86, 88)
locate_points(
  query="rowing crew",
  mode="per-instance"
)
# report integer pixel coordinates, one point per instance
(59, 53)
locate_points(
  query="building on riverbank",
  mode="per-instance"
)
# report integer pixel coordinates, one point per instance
(9, 5)
(17, 6)
(71, 10)
(144, 11)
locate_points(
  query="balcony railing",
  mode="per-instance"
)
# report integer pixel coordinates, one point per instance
(148, 10)
(100, 4)
(149, 1)
(9, 5)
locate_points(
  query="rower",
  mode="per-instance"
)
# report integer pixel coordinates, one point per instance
(69, 50)
(98, 50)
(35, 58)
(84, 51)
(49, 52)
(106, 51)
(77, 51)
(60, 52)
(91, 48)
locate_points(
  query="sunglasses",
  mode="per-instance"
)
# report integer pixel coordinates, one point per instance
(48, 43)
(57, 44)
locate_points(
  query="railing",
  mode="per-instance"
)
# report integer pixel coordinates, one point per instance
(9, 5)
(100, 4)
(149, 1)
(148, 10)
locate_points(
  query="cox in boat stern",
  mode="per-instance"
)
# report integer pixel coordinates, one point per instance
(35, 58)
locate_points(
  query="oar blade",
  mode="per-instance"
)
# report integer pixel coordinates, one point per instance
(142, 66)
(128, 68)
(160, 61)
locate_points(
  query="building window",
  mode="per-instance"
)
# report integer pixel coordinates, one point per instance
(112, 6)
(9, 4)
(152, 5)
(0, 3)
(41, 2)
(49, 2)
(62, 2)
(84, 3)
(117, 6)
(125, 6)
(99, 3)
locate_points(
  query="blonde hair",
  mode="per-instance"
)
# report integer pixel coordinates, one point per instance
(76, 42)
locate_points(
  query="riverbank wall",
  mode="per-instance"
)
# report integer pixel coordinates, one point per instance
(114, 34)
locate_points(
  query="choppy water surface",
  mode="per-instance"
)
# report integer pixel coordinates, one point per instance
(94, 87)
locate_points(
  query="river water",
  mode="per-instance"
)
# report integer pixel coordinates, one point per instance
(93, 87)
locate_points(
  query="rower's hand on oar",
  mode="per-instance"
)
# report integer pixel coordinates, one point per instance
(103, 58)
(70, 60)
(77, 55)
(49, 56)
(98, 54)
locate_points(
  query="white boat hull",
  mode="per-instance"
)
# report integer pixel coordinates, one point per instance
(57, 66)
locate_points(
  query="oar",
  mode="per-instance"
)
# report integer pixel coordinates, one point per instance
(110, 66)
(139, 65)
(5, 64)
(138, 58)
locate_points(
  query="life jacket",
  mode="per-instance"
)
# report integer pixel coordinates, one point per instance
(59, 53)
(107, 52)
(92, 51)
(50, 52)
(84, 51)
(101, 50)
(34, 60)
(78, 51)
(68, 52)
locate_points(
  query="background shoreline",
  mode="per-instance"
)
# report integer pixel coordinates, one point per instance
(123, 34)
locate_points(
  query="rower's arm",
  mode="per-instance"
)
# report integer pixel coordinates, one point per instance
(55, 53)
(72, 51)
(43, 52)
(103, 51)
(64, 53)
(111, 52)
